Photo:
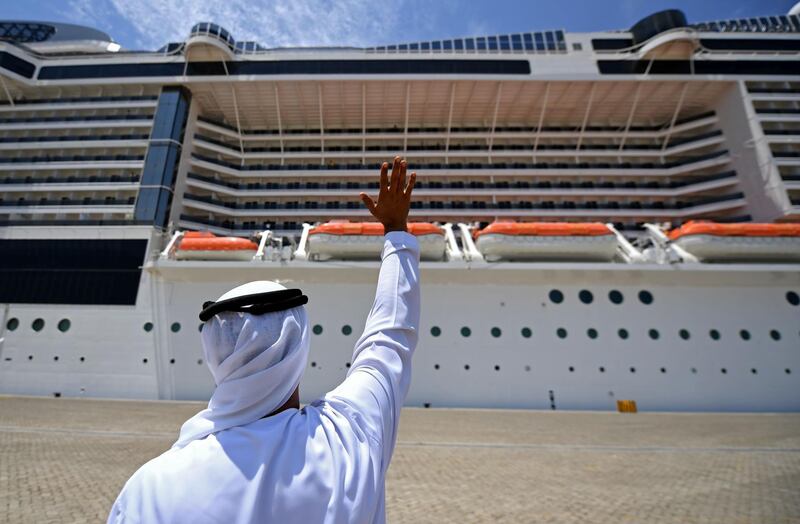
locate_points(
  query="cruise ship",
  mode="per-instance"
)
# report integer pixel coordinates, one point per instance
(604, 216)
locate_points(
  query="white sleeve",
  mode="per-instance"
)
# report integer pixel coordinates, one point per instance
(380, 374)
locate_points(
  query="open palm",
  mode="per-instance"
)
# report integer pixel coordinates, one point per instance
(394, 198)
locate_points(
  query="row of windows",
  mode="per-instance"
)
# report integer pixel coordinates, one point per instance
(541, 41)
(686, 160)
(72, 179)
(587, 297)
(145, 360)
(456, 129)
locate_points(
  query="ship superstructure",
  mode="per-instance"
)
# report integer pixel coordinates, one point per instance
(108, 156)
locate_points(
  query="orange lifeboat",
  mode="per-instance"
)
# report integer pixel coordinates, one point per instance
(203, 245)
(344, 240)
(543, 241)
(739, 242)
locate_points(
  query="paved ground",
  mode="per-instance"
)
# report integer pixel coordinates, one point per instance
(64, 461)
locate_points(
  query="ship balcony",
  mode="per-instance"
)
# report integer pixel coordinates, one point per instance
(627, 169)
(72, 163)
(99, 122)
(518, 188)
(590, 131)
(73, 142)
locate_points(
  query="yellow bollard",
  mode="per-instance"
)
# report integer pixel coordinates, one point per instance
(626, 406)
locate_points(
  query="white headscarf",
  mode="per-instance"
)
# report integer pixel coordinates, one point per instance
(256, 361)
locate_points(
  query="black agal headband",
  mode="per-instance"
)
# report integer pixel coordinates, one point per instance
(256, 304)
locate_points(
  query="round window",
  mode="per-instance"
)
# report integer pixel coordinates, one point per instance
(556, 296)
(775, 334)
(465, 331)
(622, 333)
(496, 332)
(38, 324)
(12, 324)
(653, 333)
(561, 332)
(645, 297)
(585, 296)
(591, 333)
(436, 331)
(148, 326)
(684, 334)
(714, 334)
(615, 297)
(526, 332)
(346, 329)
(175, 327)
(317, 329)
(744, 334)
(793, 298)
(64, 325)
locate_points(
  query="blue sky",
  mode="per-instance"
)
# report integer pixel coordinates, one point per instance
(148, 24)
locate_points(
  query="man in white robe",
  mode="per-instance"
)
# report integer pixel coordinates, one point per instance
(253, 455)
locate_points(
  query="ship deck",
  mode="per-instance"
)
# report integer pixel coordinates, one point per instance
(64, 461)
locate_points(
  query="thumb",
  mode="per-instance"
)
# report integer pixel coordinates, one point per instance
(368, 202)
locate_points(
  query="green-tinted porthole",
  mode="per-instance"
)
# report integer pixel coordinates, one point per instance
(496, 332)
(744, 334)
(775, 334)
(64, 325)
(591, 333)
(346, 329)
(622, 333)
(317, 329)
(436, 331)
(175, 327)
(148, 326)
(526, 332)
(653, 333)
(12, 324)
(615, 297)
(684, 334)
(714, 334)
(465, 331)
(38, 324)
(561, 332)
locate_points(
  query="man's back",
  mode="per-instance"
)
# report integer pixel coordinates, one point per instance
(326, 462)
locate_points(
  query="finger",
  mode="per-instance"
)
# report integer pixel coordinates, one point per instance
(411, 181)
(402, 183)
(384, 177)
(395, 174)
(368, 202)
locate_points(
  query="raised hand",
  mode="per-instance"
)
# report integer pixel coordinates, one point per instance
(394, 197)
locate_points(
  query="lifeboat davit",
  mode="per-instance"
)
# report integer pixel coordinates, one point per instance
(531, 241)
(202, 245)
(739, 242)
(343, 240)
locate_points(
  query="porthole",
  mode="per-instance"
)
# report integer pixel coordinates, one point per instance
(787, 371)
(435, 331)
(586, 296)
(466, 367)
(30, 357)
(754, 371)
(622, 333)
(317, 329)
(526, 332)
(527, 368)
(561, 332)
(313, 364)
(199, 361)
(172, 361)
(684, 334)
(556, 296)
(591, 333)
(633, 369)
(83, 359)
(645, 297)
(496, 332)
(497, 368)
(55, 358)
(724, 371)
(793, 298)
(602, 369)
(572, 369)
(12, 324)
(744, 334)
(64, 324)
(653, 333)
(694, 371)
(144, 361)
(775, 334)
(615, 297)
(465, 331)
(663, 370)
(346, 329)
(714, 334)
(38, 324)
(175, 327)
(436, 366)
(347, 365)
(148, 327)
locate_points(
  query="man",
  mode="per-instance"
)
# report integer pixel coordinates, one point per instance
(253, 455)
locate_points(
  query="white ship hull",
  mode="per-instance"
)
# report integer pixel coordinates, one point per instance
(511, 370)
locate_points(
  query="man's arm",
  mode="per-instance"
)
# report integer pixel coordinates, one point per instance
(380, 374)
